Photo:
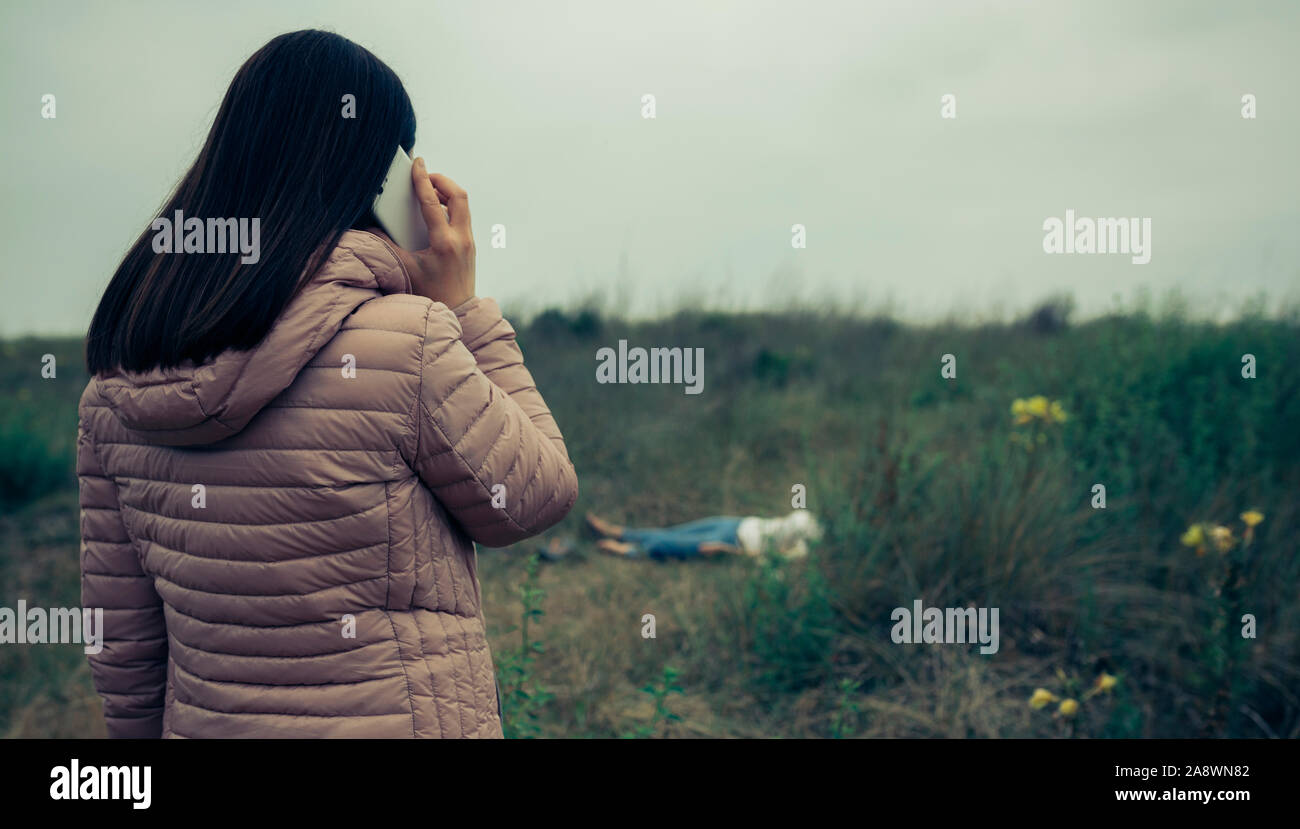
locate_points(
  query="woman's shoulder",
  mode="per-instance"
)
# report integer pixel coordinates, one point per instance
(413, 319)
(92, 397)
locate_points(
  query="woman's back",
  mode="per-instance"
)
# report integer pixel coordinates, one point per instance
(281, 537)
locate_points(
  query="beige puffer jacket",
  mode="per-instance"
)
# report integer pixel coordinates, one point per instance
(283, 547)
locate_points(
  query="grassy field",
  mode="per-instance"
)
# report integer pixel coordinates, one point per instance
(929, 491)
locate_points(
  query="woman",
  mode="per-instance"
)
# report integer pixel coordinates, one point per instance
(786, 537)
(284, 463)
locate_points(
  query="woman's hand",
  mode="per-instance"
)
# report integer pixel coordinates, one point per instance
(444, 271)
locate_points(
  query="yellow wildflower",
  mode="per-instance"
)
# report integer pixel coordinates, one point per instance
(1021, 412)
(1037, 406)
(1041, 697)
(1252, 517)
(1057, 412)
(1068, 708)
(1194, 537)
(1106, 682)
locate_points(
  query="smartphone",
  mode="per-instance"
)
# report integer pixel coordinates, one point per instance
(396, 208)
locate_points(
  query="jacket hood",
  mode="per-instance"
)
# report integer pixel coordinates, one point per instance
(198, 404)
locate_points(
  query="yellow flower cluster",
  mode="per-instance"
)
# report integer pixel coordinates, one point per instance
(1041, 698)
(1202, 536)
(1037, 408)
(1069, 707)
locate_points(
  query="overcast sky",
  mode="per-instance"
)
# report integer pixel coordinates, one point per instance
(768, 114)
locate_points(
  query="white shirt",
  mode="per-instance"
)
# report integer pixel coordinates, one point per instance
(786, 537)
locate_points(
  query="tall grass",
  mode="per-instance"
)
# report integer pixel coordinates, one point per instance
(925, 495)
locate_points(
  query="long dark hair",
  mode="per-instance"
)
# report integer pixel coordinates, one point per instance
(283, 150)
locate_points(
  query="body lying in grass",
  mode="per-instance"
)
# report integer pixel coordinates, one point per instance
(785, 537)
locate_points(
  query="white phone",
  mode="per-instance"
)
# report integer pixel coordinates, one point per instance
(396, 207)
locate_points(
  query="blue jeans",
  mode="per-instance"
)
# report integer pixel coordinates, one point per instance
(683, 540)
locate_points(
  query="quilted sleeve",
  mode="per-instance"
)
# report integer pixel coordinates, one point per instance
(130, 672)
(486, 443)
